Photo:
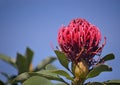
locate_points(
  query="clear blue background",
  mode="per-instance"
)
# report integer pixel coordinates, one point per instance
(35, 23)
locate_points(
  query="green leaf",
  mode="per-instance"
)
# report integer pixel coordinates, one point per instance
(44, 63)
(108, 57)
(1, 83)
(73, 65)
(62, 59)
(63, 73)
(94, 83)
(22, 64)
(22, 77)
(49, 75)
(5, 75)
(8, 60)
(50, 67)
(37, 80)
(43, 73)
(29, 56)
(112, 82)
(60, 84)
(97, 70)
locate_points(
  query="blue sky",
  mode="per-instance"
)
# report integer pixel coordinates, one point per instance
(35, 23)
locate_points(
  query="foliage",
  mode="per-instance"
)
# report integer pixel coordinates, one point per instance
(23, 64)
(44, 72)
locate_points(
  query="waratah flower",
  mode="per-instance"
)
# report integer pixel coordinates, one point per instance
(80, 40)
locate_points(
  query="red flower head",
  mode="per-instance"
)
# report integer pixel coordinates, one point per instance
(80, 40)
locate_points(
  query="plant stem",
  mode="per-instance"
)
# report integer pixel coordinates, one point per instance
(77, 81)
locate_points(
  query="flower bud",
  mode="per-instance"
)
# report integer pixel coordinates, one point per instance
(81, 70)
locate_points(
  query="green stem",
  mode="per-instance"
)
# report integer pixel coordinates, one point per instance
(78, 81)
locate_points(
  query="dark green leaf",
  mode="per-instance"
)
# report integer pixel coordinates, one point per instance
(22, 63)
(107, 57)
(62, 59)
(63, 73)
(49, 75)
(5, 75)
(73, 65)
(94, 83)
(7, 59)
(29, 56)
(37, 80)
(1, 83)
(44, 73)
(45, 62)
(97, 70)
(112, 82)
